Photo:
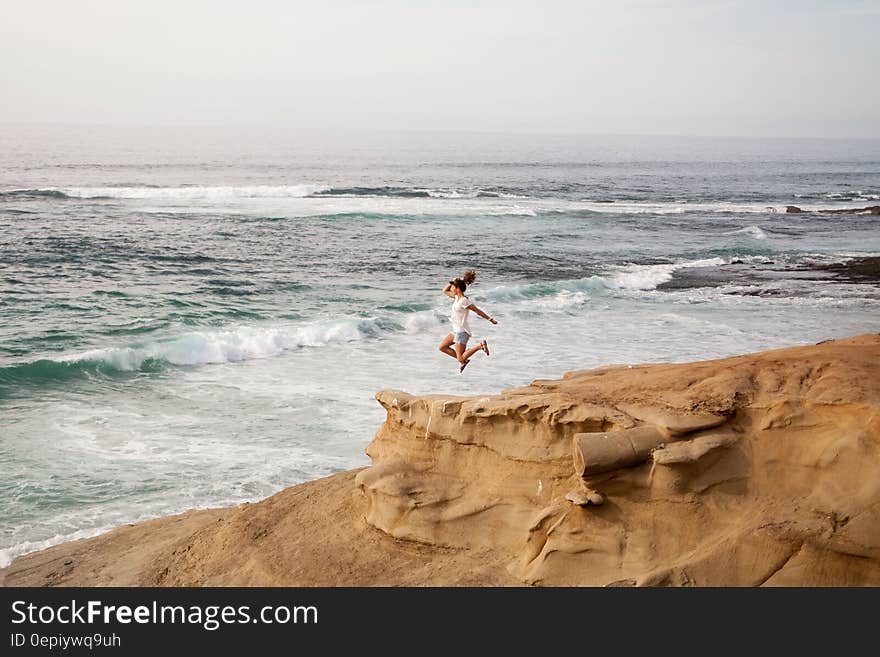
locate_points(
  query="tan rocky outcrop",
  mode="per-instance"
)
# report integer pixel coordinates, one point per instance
(714, 473)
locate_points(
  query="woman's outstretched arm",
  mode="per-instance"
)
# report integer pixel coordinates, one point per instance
(482, 314)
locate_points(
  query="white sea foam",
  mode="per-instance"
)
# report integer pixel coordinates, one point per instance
(7, 555)
(427, 320)
(752, 231)
(470, 194)
(857, 195)
(535, 291)
(648, 277)
(193, 193)
(244, 343)
(315, 199)
(565, 300)
(677, 207)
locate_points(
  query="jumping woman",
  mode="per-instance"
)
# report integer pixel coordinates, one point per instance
(461, 330)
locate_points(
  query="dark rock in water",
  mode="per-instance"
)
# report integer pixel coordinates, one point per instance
(857, 270)
(762, 292)
(772, 279)
(652, 261)
(871, 209)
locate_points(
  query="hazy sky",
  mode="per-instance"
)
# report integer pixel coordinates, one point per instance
(799, 68)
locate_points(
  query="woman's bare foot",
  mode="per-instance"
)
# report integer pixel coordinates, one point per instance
(463, 365)
(485, 347)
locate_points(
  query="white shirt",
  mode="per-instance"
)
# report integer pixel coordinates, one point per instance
(459, 316)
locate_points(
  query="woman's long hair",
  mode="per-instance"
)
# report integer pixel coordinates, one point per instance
(462, 283)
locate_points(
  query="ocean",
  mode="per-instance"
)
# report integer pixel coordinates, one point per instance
(200, 317)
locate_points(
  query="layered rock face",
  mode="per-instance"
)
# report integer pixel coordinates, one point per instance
(758, 469)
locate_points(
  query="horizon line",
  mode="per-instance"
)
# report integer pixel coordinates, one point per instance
(425, 131)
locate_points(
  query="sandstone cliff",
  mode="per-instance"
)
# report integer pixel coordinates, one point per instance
(759, 469)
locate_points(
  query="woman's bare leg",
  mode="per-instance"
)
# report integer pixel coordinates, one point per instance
(460, 351)
(466, 355)
(446, 346)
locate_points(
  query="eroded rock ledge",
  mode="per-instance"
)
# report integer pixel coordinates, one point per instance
(741, 471)
(759, 469)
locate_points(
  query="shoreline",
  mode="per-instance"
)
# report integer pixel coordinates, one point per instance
(748, 470)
